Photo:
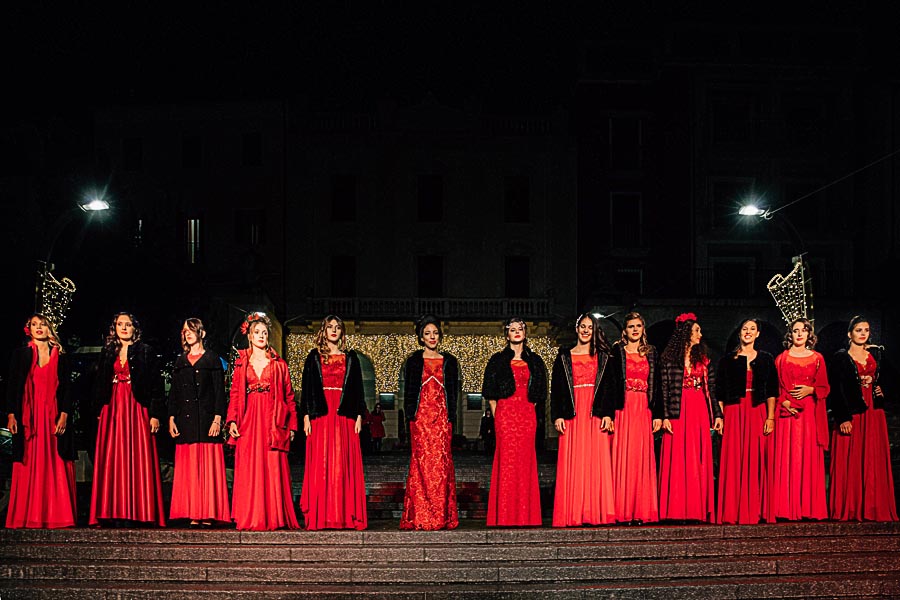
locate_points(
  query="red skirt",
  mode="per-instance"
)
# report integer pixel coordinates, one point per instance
(127, 483)
(199, 487)
(745, 469)
(514, 498)
(686, 463)
(799, 480)
(634, 462)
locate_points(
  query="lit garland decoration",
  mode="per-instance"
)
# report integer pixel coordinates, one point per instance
(55, 295)
(790, 293)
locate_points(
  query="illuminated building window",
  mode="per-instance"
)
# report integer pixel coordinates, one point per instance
(193, 240)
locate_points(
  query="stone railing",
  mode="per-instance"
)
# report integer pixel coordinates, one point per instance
(446, 308)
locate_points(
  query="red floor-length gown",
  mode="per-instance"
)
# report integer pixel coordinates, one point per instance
(515, 497)
(334, 489)
(745, 464)
(262, 499)
(862, 485)
(199, 486)
(127, 483)
(800, 441)
(43, 484)
(686, 460)
(634, 462)
(584, 485)
(430, 501)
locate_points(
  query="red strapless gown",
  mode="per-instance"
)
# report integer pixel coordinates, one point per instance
(430, 501)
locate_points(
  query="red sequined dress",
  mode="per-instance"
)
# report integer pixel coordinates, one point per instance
(430, 501)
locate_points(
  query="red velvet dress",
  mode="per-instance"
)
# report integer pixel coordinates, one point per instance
(262, 499)
(862, 485)
(634, 462)
(515, 497)
(127, 483)
(800, 441)
(584, 485)
(334, 489)
(43, 484)
(745, 464)
(430, 501)
(686, 489)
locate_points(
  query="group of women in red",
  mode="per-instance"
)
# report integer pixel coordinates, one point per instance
(607, 401)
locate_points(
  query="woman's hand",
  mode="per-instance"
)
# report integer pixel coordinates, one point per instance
(718, 425)
(293, 433)
(667, 425)
(61, 424)
(847, 427)
(173, 428)
(560, 425)
(154, 425)
(787, 406)
(657, 425)
(878, 391)
(12, 424)
(358, 427)
(307, 428)
(801, 391)
(233, 430)
(607, 425)
(215, 429)
(769, 426)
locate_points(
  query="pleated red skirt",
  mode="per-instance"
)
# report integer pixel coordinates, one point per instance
(634, 461)
(199, 487)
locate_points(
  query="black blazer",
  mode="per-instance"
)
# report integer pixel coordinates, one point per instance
(614, 397)
(672, 385)
(197, 395)
(731, 378)
(20, 365)
(412, 387)
(312, 396)
(846, 399)
(562, 385)
(499, 382)
(146, 379)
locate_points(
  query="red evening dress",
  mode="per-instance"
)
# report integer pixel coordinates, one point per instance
(43, 484)
(262, 499)
(634, 462)
(862, 485)
(430, 501)
(801, 440)
(515, 497)
(334, 489)
(127, 483)
(686, 489)
(745, 464)
(584, 484)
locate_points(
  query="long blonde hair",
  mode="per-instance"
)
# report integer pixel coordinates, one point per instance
(644, 346)
(322, 340)
(51, 330)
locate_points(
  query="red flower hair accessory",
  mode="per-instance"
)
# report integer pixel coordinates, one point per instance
(28, 328)
(255, 317)
(689, 316)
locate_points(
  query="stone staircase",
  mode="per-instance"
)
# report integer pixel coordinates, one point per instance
(807, 560)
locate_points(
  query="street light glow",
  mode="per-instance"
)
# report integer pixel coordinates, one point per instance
(751, 210)
(95, 204)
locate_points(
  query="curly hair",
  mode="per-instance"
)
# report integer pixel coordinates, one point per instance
(599, 343)
(196, 325)
(808, 326)
(250, 321)
(428, 320)
(322, 340)
(51, 331)
(112, 340)
(679, 342)
(644, 346)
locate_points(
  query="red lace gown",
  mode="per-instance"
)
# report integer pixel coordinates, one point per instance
(745, 464)
(334, 489)
(686, 489)
(515, 497)
(261, 499)
(430, 501)
(43, 484)
(127, 483)
(800, 441)
(634, 461)
(862, 485)
(584, 486)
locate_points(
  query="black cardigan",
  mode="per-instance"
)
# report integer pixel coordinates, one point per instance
(412, 387)
(499, 382)
(846, 399)
(146, 379)
(731, 378)
(197, 395)
(614, 396)
(672, 385)
(312, 396)
(20, 365)
(562, 385)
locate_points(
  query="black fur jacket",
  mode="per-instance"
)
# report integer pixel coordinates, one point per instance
(312, 396)
(412, 387)
(499, 382)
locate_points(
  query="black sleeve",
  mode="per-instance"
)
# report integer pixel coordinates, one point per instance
(540, 385)
(837, 400)
(489, 383)
(157, 386)
(64, 399)
(611, 387)
(355, 383)
(309, 366)
(559, 388)
(711, 378)
(457, 391)
(656, 406)
(720, 392)
(218, 389)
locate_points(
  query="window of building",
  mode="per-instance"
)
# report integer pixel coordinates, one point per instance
(191, 152)
(430, 270)
(250, 226)
(625, 143)
(475, 402)
(343, 198)
(251, 149)
(734, 116)
(516, 199)
(387, 401)
(626, 217)
(192, 237)
(430, 194)
(343, 276)
(132, 154)
(517, 271)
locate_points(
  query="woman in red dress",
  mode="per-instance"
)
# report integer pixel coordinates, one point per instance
(862, 485)
(332, 403)
(262, 421)
(376, 427)
(686, 460)
(746, 387)
(515, 385)
(633, 399)
(37, 414)
(196, 409)
(431, 391)
(801, 431)
(584, 484)
(128, 391)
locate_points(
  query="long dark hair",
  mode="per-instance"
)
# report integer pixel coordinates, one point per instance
(678, 343)
(195, 325)
(599, 343)
(741, 326)
(112, 340)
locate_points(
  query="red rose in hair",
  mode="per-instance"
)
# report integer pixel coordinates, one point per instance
(689, 316)
(28, 329)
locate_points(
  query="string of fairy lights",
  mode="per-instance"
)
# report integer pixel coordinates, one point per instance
(55, 298)
(790, 293)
